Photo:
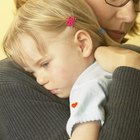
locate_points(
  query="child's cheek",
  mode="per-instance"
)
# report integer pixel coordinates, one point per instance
(59, 73)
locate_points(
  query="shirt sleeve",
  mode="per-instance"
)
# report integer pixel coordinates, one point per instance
(86, 104)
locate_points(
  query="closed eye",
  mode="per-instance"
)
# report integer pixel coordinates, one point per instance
(45, 64)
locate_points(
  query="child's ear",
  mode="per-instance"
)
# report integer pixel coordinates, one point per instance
(84, 43)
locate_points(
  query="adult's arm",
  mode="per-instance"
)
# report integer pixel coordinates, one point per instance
(123, 106)
(27, 110)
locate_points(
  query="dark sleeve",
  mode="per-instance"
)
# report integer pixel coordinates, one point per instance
(123, 106)
(131, 47)
(27, 110)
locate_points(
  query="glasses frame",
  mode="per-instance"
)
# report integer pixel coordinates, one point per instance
(121, 5)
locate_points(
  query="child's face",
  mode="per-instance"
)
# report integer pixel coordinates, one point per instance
(58, 66)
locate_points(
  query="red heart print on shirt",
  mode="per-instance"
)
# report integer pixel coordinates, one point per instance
(73, 105)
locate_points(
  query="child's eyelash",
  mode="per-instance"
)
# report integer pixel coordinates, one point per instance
(45, 64)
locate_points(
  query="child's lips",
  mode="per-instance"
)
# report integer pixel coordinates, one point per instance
(54, 91)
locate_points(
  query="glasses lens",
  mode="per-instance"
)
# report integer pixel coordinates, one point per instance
(117, 3)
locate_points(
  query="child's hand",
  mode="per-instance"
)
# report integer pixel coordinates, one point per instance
(112, 57)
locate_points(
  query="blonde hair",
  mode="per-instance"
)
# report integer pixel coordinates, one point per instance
(19, 3)
(51, 15)
(134, 30)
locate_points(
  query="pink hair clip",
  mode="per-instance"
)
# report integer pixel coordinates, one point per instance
(71, 21)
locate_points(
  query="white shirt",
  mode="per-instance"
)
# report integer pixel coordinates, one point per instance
(87, 96)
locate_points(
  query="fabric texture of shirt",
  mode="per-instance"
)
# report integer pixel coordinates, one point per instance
(87, 96)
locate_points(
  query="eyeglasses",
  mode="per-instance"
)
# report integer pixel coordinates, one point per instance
(120, 3)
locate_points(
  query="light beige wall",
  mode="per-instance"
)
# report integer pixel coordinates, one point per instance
(7, 10)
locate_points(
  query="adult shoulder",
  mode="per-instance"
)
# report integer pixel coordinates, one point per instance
(27, 110)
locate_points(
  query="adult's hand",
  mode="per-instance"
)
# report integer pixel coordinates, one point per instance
(112, 57)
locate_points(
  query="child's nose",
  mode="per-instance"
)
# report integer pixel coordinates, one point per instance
(41, 80)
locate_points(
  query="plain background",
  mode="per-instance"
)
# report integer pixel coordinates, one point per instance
(7, 11)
